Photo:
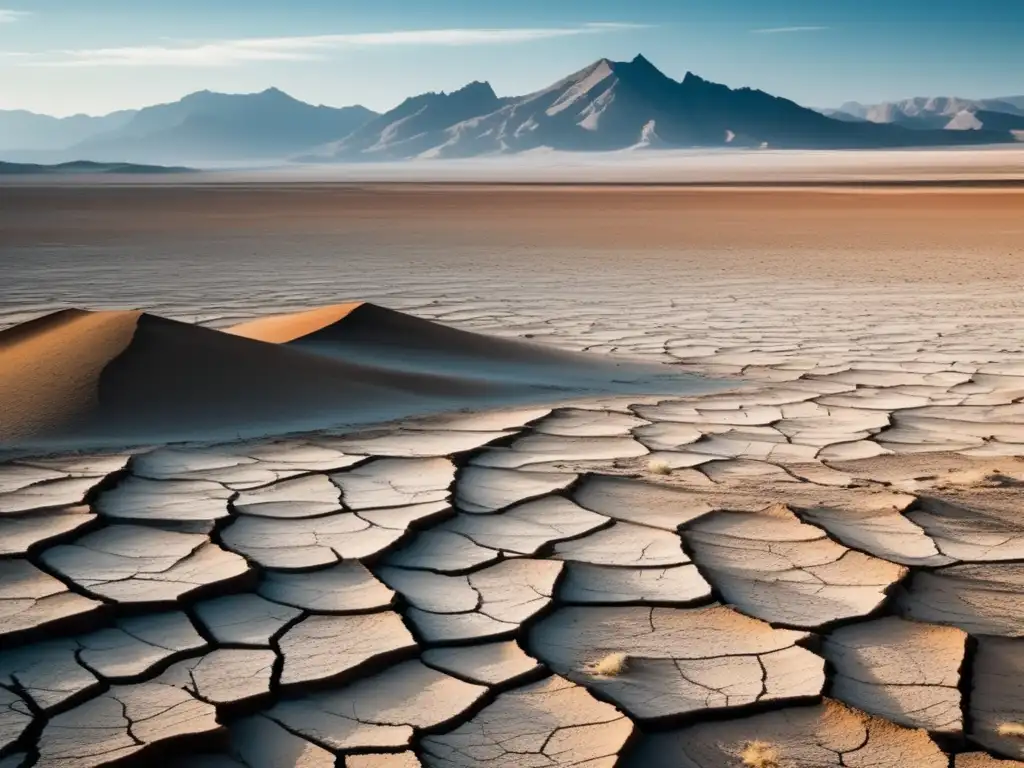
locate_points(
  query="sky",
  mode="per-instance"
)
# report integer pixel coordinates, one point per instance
(64, 57)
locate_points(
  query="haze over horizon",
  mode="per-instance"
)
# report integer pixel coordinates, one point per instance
(61, 57)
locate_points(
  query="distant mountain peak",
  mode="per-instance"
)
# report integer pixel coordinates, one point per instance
(641, 72)
(642, 61)
(590, 69)
(190, 98)
(691, 79)
(277, 96)
(476, 88)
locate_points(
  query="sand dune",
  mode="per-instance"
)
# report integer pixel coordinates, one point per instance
(292, 327)
(93, 378)
(372, 334)
(78, 379)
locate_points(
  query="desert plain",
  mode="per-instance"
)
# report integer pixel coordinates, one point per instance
(513, 475)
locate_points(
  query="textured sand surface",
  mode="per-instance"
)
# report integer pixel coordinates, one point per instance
(51, 368)
(822, 564)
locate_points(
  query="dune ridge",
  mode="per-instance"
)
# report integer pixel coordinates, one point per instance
(368, 332)
(293, 326)
(79, 379)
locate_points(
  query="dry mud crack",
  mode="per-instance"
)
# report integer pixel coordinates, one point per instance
(828, 558)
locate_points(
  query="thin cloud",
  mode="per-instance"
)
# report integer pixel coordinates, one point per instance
(9, 17)
(787, 30)
(226, 53)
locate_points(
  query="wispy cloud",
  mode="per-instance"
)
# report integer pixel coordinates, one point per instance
(787, 30)
(225, 53)
(9, 17)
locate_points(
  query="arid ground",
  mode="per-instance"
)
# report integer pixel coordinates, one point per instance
(815, 561)
(962, 232)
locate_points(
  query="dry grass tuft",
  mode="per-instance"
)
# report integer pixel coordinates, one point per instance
(1012, 730)
(612, 665)
(659, 467)
(760, 754)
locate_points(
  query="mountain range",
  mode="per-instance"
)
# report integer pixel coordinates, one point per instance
(607, 106)
(85, 168)
(938, 113)
(27, 131)
(614, 106)
(202, 127)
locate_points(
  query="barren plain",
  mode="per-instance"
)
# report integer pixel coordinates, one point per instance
(812, 557)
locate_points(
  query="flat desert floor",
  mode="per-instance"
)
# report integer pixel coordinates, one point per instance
(818, 563)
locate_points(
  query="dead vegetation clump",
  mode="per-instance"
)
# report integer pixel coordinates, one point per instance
(760, 754)
(659, 467)
(612, 665)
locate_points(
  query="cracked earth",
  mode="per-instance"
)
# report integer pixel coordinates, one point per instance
(827, 556)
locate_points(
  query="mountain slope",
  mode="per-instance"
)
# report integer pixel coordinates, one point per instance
(216, 126)
(606, 106)
(839, 114)
(414, 126)
(1016, 101)
(601, 107)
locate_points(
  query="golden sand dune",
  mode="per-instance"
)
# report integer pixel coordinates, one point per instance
(283, 329)
(77, 379)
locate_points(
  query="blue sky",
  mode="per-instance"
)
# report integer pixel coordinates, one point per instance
(67, 56)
